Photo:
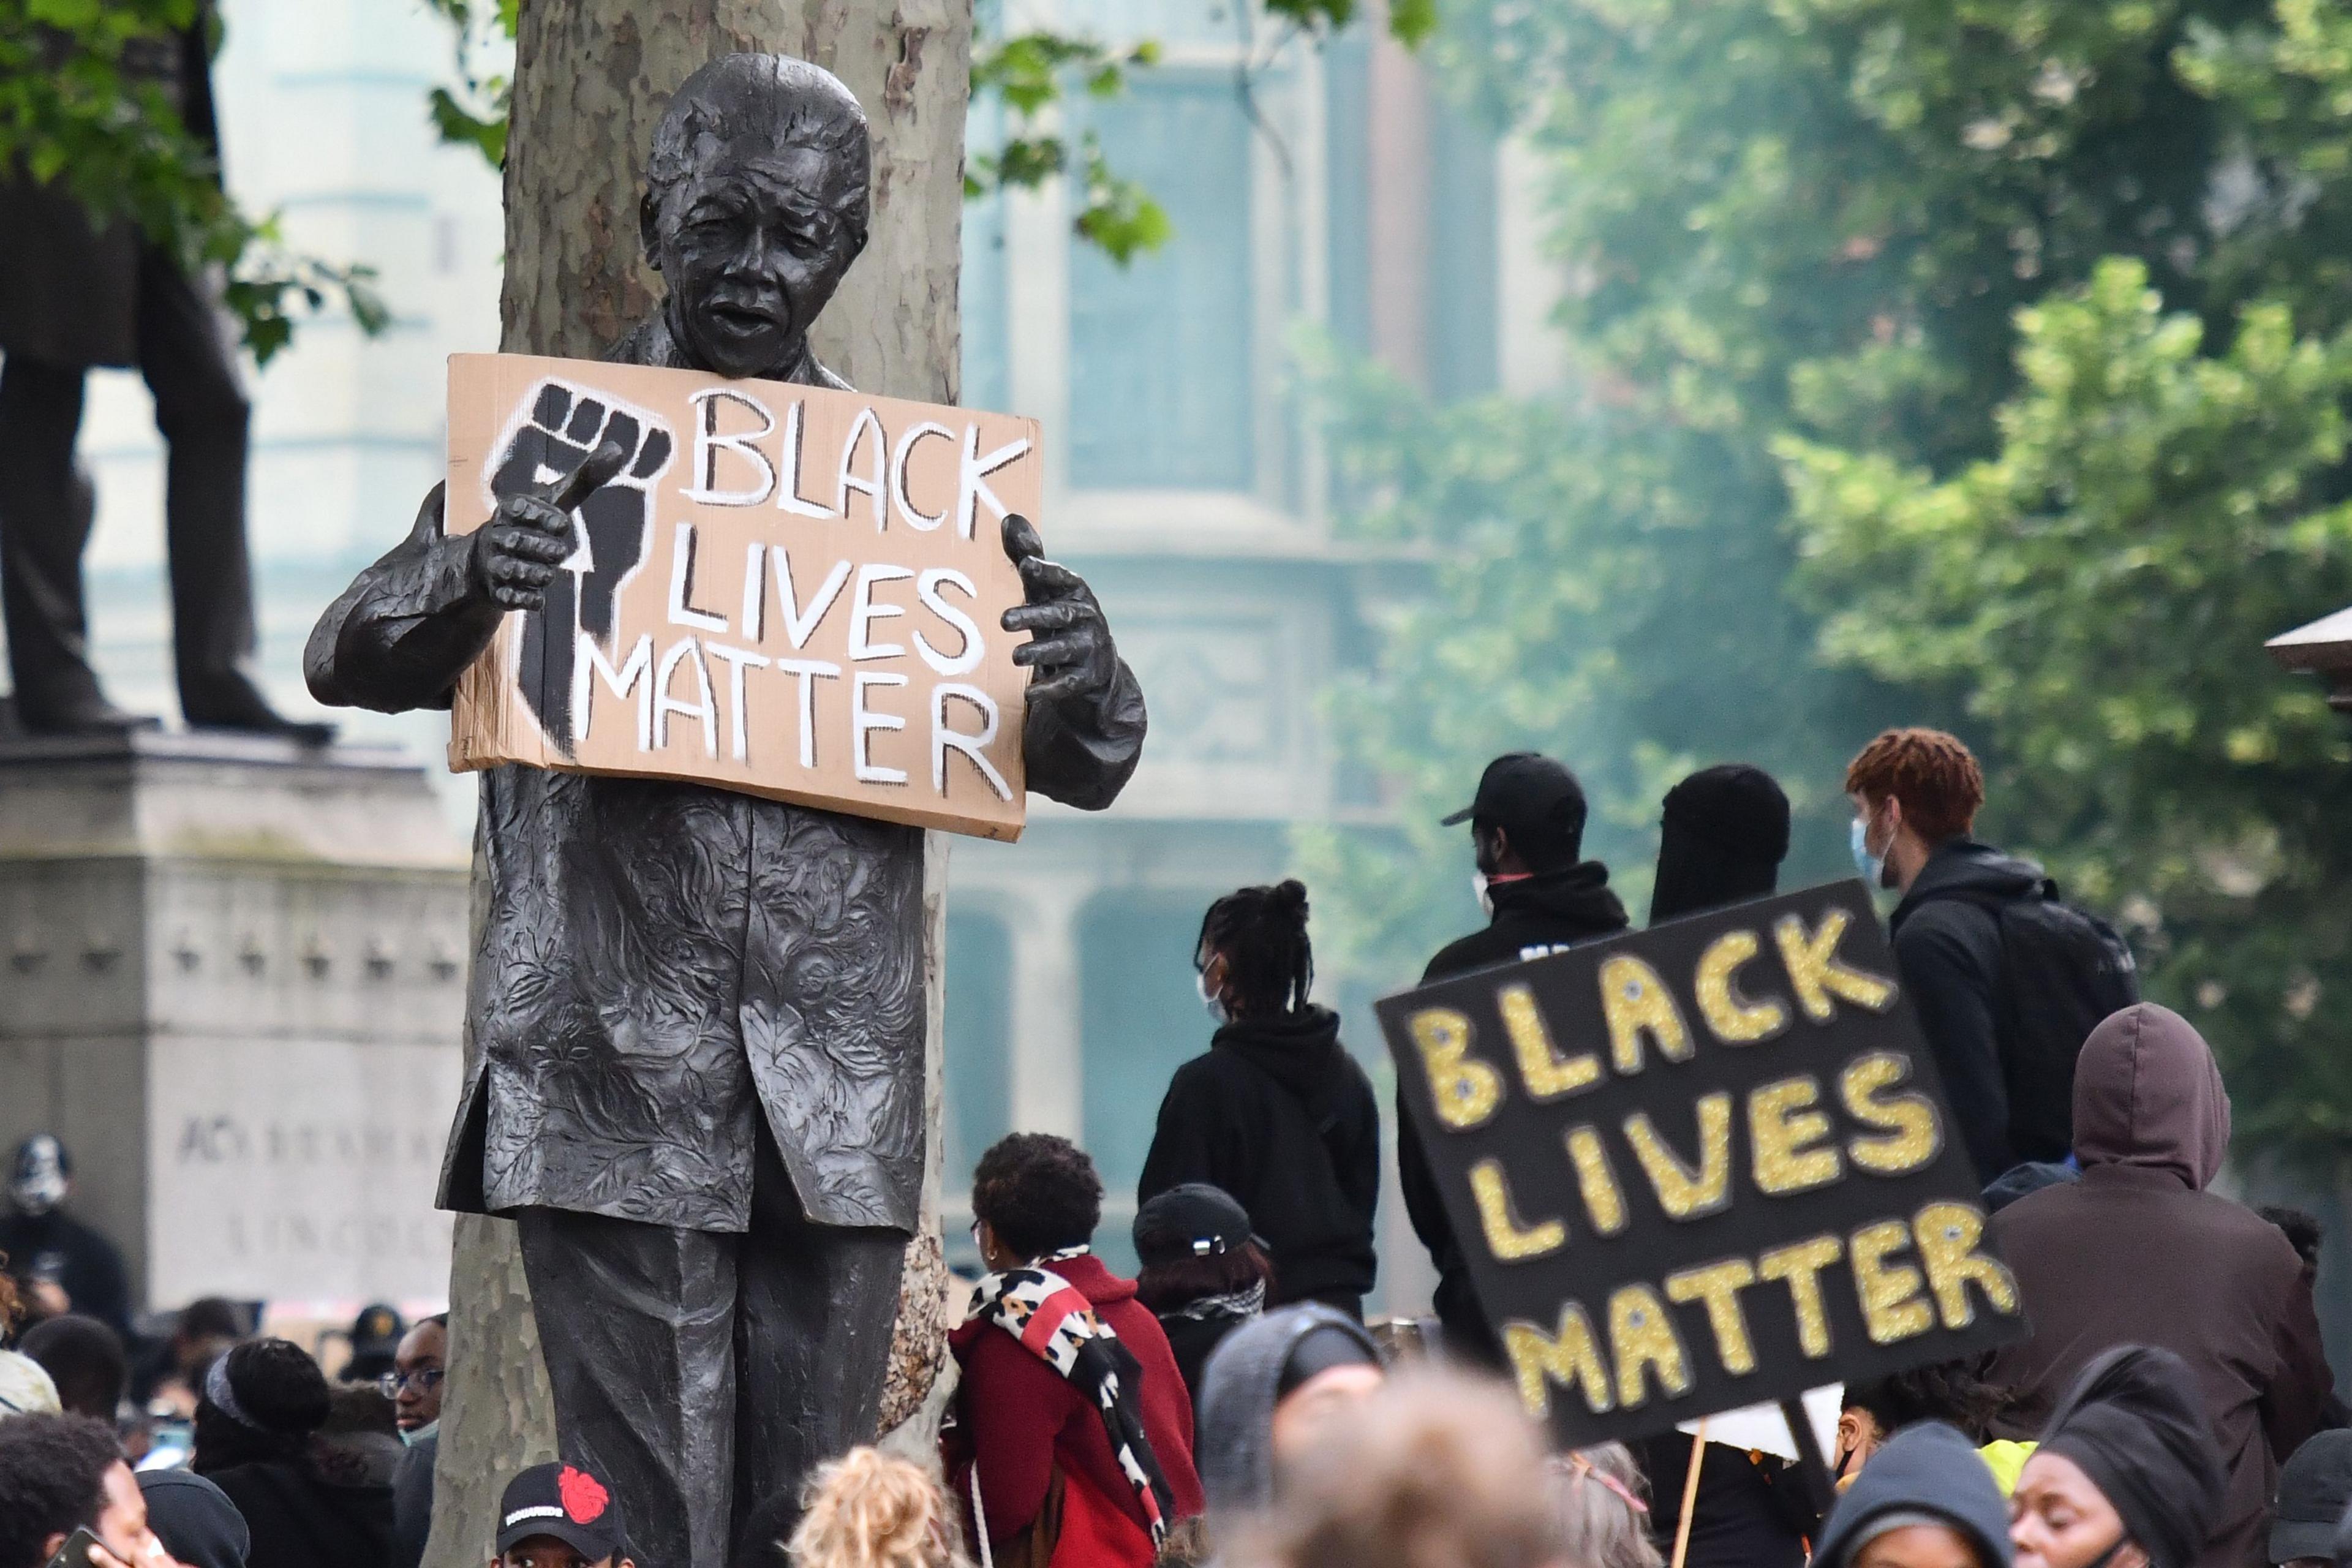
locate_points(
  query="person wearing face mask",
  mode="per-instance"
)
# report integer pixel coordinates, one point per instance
(61, 1264)
(1526, 831)
(2126, 1475)
(2007, 978)
(1276, 1113)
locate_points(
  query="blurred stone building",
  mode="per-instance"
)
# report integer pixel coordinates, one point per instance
(1185, 481)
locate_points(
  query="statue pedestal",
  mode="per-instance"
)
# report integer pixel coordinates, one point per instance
(231, 979)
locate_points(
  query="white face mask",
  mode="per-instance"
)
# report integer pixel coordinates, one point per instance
(1478, 886)
(1211, 1000)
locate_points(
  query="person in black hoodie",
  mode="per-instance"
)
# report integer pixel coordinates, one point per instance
(306, 1501)
(1722, 836)
(1276, 1112)
(2006, 1056)
(1526, 829)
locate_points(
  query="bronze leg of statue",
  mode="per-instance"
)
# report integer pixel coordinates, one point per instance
(190, 364)
(703, 1374)
(46, 511)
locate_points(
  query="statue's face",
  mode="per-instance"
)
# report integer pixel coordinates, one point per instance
(751, 245)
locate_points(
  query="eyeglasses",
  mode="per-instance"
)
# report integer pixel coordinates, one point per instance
(425, 1379)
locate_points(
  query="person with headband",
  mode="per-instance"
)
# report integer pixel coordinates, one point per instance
(256, 1426)
(1276, 1112)
(2126, 1475)
(1604, 1520)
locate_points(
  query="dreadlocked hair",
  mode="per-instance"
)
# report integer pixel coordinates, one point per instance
(871, 1510)
(1262, 934)
(1932, 774)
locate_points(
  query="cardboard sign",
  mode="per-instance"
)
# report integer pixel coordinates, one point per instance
(788, 590)
(1702, 1167)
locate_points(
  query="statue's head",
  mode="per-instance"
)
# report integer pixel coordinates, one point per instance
(755, 205)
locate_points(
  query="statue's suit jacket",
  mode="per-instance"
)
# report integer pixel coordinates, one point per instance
(661, 964)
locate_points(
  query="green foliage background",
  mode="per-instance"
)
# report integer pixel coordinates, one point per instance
(1974, 363)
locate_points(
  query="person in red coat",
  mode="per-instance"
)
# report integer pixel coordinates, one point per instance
(1069, 1475)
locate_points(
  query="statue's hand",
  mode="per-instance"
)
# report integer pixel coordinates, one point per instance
(517, 553)
(1072, 651)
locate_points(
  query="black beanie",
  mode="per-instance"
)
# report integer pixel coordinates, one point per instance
(1725, 833)
(2135, 1423)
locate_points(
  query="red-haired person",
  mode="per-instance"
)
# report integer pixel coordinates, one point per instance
(2008, 980)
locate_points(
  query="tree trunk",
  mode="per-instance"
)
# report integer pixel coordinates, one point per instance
(592, 77)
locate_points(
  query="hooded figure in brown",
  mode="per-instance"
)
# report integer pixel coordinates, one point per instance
(2139, 1252)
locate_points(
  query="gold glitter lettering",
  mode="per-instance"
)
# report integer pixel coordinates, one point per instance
(1637, 1003)
(1571, 1359)
(1466, 1091)
(1909, 1138)
(1605, 1203)
(1788, 1135)
(1684, 1193)
(1799, 1264)
(1642, 1337)
(1948, 1235)
(1506, 1238)
(1893, 1300)
(1719, 1285)
(1735, 1022)
(1541, 1069)
(1817, 973)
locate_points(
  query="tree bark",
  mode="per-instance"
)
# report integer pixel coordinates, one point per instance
(591, 77)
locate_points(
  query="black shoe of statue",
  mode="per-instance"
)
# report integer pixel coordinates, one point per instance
(231, 701)
(90, 714)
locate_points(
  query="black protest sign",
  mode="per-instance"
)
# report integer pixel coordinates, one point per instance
(1702, 1167)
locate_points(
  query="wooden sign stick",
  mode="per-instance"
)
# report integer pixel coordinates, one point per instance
(1690, 1493)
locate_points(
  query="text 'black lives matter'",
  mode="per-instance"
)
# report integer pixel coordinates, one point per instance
(1702, 1167)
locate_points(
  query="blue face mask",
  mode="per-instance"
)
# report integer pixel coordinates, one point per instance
(1871, 867)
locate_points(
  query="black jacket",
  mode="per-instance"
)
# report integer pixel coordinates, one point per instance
(86, 1266)
(300, 1519)
(1948, 952)
(1539, 915)
(1191, 1339)
(1280, 1116)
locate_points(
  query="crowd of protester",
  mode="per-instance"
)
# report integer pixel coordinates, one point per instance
(2171, 1406)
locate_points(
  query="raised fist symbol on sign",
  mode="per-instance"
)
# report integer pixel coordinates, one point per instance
(612, 529)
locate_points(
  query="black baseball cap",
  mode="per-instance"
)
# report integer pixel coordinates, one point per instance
(2314, 1487)
(1526, 790)
(563, 1501)
(1193, 1219)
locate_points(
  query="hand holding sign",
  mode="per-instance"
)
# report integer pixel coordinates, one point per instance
(518, 552)
(1071, 650)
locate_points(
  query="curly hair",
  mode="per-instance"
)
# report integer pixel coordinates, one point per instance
(1040, 1194)
(1932, 774)
(1261, 934)
(871, 1510)
(785, 102)
(53, 1475)
(1949, 1390)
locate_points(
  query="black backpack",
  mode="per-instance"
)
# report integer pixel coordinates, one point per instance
(2063, 972)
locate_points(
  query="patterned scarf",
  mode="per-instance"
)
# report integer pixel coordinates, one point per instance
(1054, 1321)
(1239, 1305)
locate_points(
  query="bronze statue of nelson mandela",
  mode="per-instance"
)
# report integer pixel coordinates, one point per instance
(699, 1015)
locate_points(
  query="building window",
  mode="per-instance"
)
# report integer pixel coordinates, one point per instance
(977, 1075)
(1140, 1019)
(1161, 389)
